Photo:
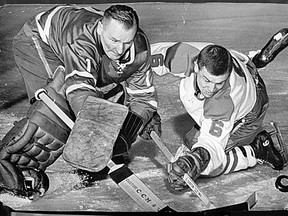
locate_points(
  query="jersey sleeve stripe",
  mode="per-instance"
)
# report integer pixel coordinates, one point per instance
(41, 31)
(140, 91)
(79, 86)
(44, 33)
(148, 78)
(153, 103)
(81, 74)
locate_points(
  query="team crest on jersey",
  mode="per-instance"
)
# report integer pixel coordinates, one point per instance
(120, 68)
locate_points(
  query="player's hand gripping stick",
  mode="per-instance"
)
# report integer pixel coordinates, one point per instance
(189, 181)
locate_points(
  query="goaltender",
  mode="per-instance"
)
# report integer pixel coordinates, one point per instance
(74, 52)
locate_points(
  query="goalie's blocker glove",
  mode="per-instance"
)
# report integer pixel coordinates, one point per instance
(193, 163)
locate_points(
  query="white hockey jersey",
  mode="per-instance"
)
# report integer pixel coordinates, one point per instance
(216, 115)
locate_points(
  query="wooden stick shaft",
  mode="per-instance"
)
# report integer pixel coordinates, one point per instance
(42, 95)
(135, 188)
(162, 146)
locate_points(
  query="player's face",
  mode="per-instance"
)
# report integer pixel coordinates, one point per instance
(116, 39)
(210, 84)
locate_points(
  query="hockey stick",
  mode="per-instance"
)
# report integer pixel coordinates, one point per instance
(189, 181)
(136, 189)
(41, 94)
(225, 210)
(120, 174)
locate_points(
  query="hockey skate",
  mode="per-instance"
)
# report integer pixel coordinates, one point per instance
(266, 151)
(283, 150)
(36, 182)
(274, 46)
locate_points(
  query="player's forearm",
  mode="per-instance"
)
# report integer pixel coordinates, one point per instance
(217, 157)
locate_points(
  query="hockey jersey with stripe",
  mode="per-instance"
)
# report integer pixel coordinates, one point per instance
(217, 116)
(71, 33)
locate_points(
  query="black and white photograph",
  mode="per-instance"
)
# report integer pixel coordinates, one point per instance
(114, 107)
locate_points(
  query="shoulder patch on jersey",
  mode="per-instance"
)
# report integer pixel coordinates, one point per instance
(220, 106)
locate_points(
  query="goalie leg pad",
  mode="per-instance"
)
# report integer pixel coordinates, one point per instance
(127, 136)
(132, 126)
(34, 142)
(30, 147)
(121, 148)
(11, 178)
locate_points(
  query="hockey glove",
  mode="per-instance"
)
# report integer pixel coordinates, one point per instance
(153, 125)
(193, 163)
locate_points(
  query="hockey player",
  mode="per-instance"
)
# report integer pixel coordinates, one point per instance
(224, 94)
(75, 52)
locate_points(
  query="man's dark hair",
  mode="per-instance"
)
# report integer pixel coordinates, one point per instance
(122, 13)
(216, 59)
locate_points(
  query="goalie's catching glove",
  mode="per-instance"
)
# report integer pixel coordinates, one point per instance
(193, 163)
(154, 124)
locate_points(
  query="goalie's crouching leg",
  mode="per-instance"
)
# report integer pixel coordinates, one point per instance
(31, 145)
(20, 173)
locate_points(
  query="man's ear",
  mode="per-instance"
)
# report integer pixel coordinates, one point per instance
(196, 67)
(100, 28)
(193, 67)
